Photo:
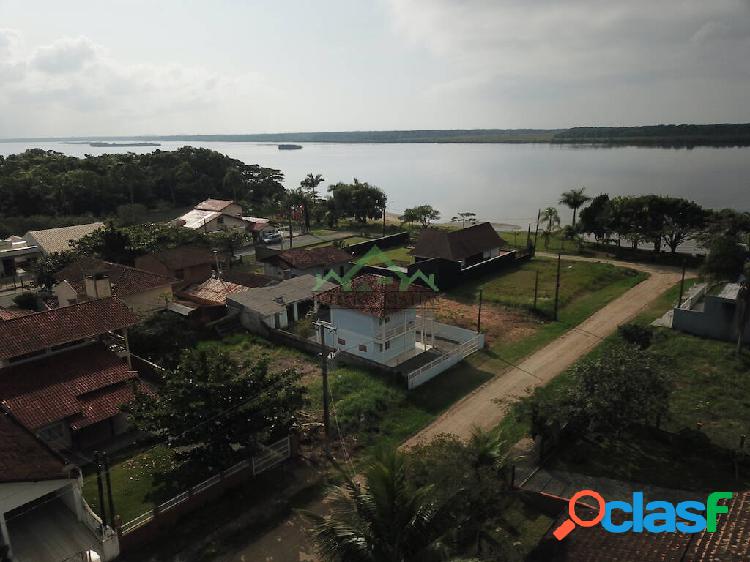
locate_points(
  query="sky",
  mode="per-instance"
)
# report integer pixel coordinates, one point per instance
(119, 67)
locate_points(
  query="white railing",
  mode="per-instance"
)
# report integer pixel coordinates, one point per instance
(92, 520)
(428, 370)
(384, 335)
(272, 455)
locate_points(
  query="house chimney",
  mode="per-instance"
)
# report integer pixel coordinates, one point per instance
(98, 286)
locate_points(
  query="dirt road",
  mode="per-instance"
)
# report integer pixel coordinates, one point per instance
(488, 404)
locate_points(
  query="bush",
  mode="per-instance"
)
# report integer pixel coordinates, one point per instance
(27, 301)
(640, 336)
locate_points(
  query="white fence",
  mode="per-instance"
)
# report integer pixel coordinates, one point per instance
(441, 363)
(271, 455)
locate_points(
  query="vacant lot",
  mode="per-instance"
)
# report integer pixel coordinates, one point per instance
(709, 412)
(515, 287)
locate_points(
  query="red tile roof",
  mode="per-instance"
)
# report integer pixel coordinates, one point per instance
(731, 541)
(23, 456)
(10, 313)
(217, 205)
(84, 385)
(38, 331)
(211, 291)
(376, 295)
(456, 245)
(301, 258)
(125, 280)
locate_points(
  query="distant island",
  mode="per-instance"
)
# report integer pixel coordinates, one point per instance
(289, 147)
(107, 144)
(675, 136)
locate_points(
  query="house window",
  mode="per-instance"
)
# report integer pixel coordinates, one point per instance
(387, 319)
(379, 347)
(388, 345)
(221, 220)
(342, 341)
(363, 347)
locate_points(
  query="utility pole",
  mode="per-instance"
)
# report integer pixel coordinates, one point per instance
(108, 481)
(324, 372)
(536, 232)
(682, 284)
(384, 220)
(479, 312)
(100, 489)
(291, 236)
(528, 238)
(557, 286)
(536, 287)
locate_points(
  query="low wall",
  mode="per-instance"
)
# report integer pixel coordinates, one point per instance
(448, 274)
(390, 241)
(151, 525)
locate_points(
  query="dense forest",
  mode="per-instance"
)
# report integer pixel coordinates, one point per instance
(660, 135)
(649, 135)
(40, 189)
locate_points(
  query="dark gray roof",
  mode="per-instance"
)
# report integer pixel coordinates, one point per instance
(274, 298)
(456, 245)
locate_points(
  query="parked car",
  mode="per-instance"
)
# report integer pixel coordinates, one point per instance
(271, 237)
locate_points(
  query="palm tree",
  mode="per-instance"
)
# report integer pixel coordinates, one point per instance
(308, 195)
(551, 217)
(574, 199)
(383, 520)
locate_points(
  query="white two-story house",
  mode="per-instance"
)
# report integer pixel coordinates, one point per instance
(376, 319)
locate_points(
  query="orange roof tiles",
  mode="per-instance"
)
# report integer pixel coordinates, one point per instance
(376, 295)
(84, 385)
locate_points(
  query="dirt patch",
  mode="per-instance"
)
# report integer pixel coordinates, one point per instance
(499, 323)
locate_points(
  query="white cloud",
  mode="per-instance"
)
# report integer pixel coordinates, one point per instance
(73, 84)
(65, 55)
(554, 59)
(12, 68)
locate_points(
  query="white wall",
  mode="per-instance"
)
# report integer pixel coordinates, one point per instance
(16, 494)
(357, 328)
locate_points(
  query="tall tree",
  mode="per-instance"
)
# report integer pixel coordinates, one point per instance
(465, 217)
(213, 410)
(725, 259)
(551, 220)
(574, 199)
(308, 187)
(596, 218)
(682, 220)
(383, 520)
(423, 214)
(358, 200)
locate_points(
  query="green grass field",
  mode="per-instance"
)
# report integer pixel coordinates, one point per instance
(516, 287)
(711, 388)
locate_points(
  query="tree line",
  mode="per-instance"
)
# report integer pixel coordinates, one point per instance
(659, 220)
(48, 183)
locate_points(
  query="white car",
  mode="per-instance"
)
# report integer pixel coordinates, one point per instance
(271, 237)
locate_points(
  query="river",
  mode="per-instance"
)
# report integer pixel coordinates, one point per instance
(504, 183)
